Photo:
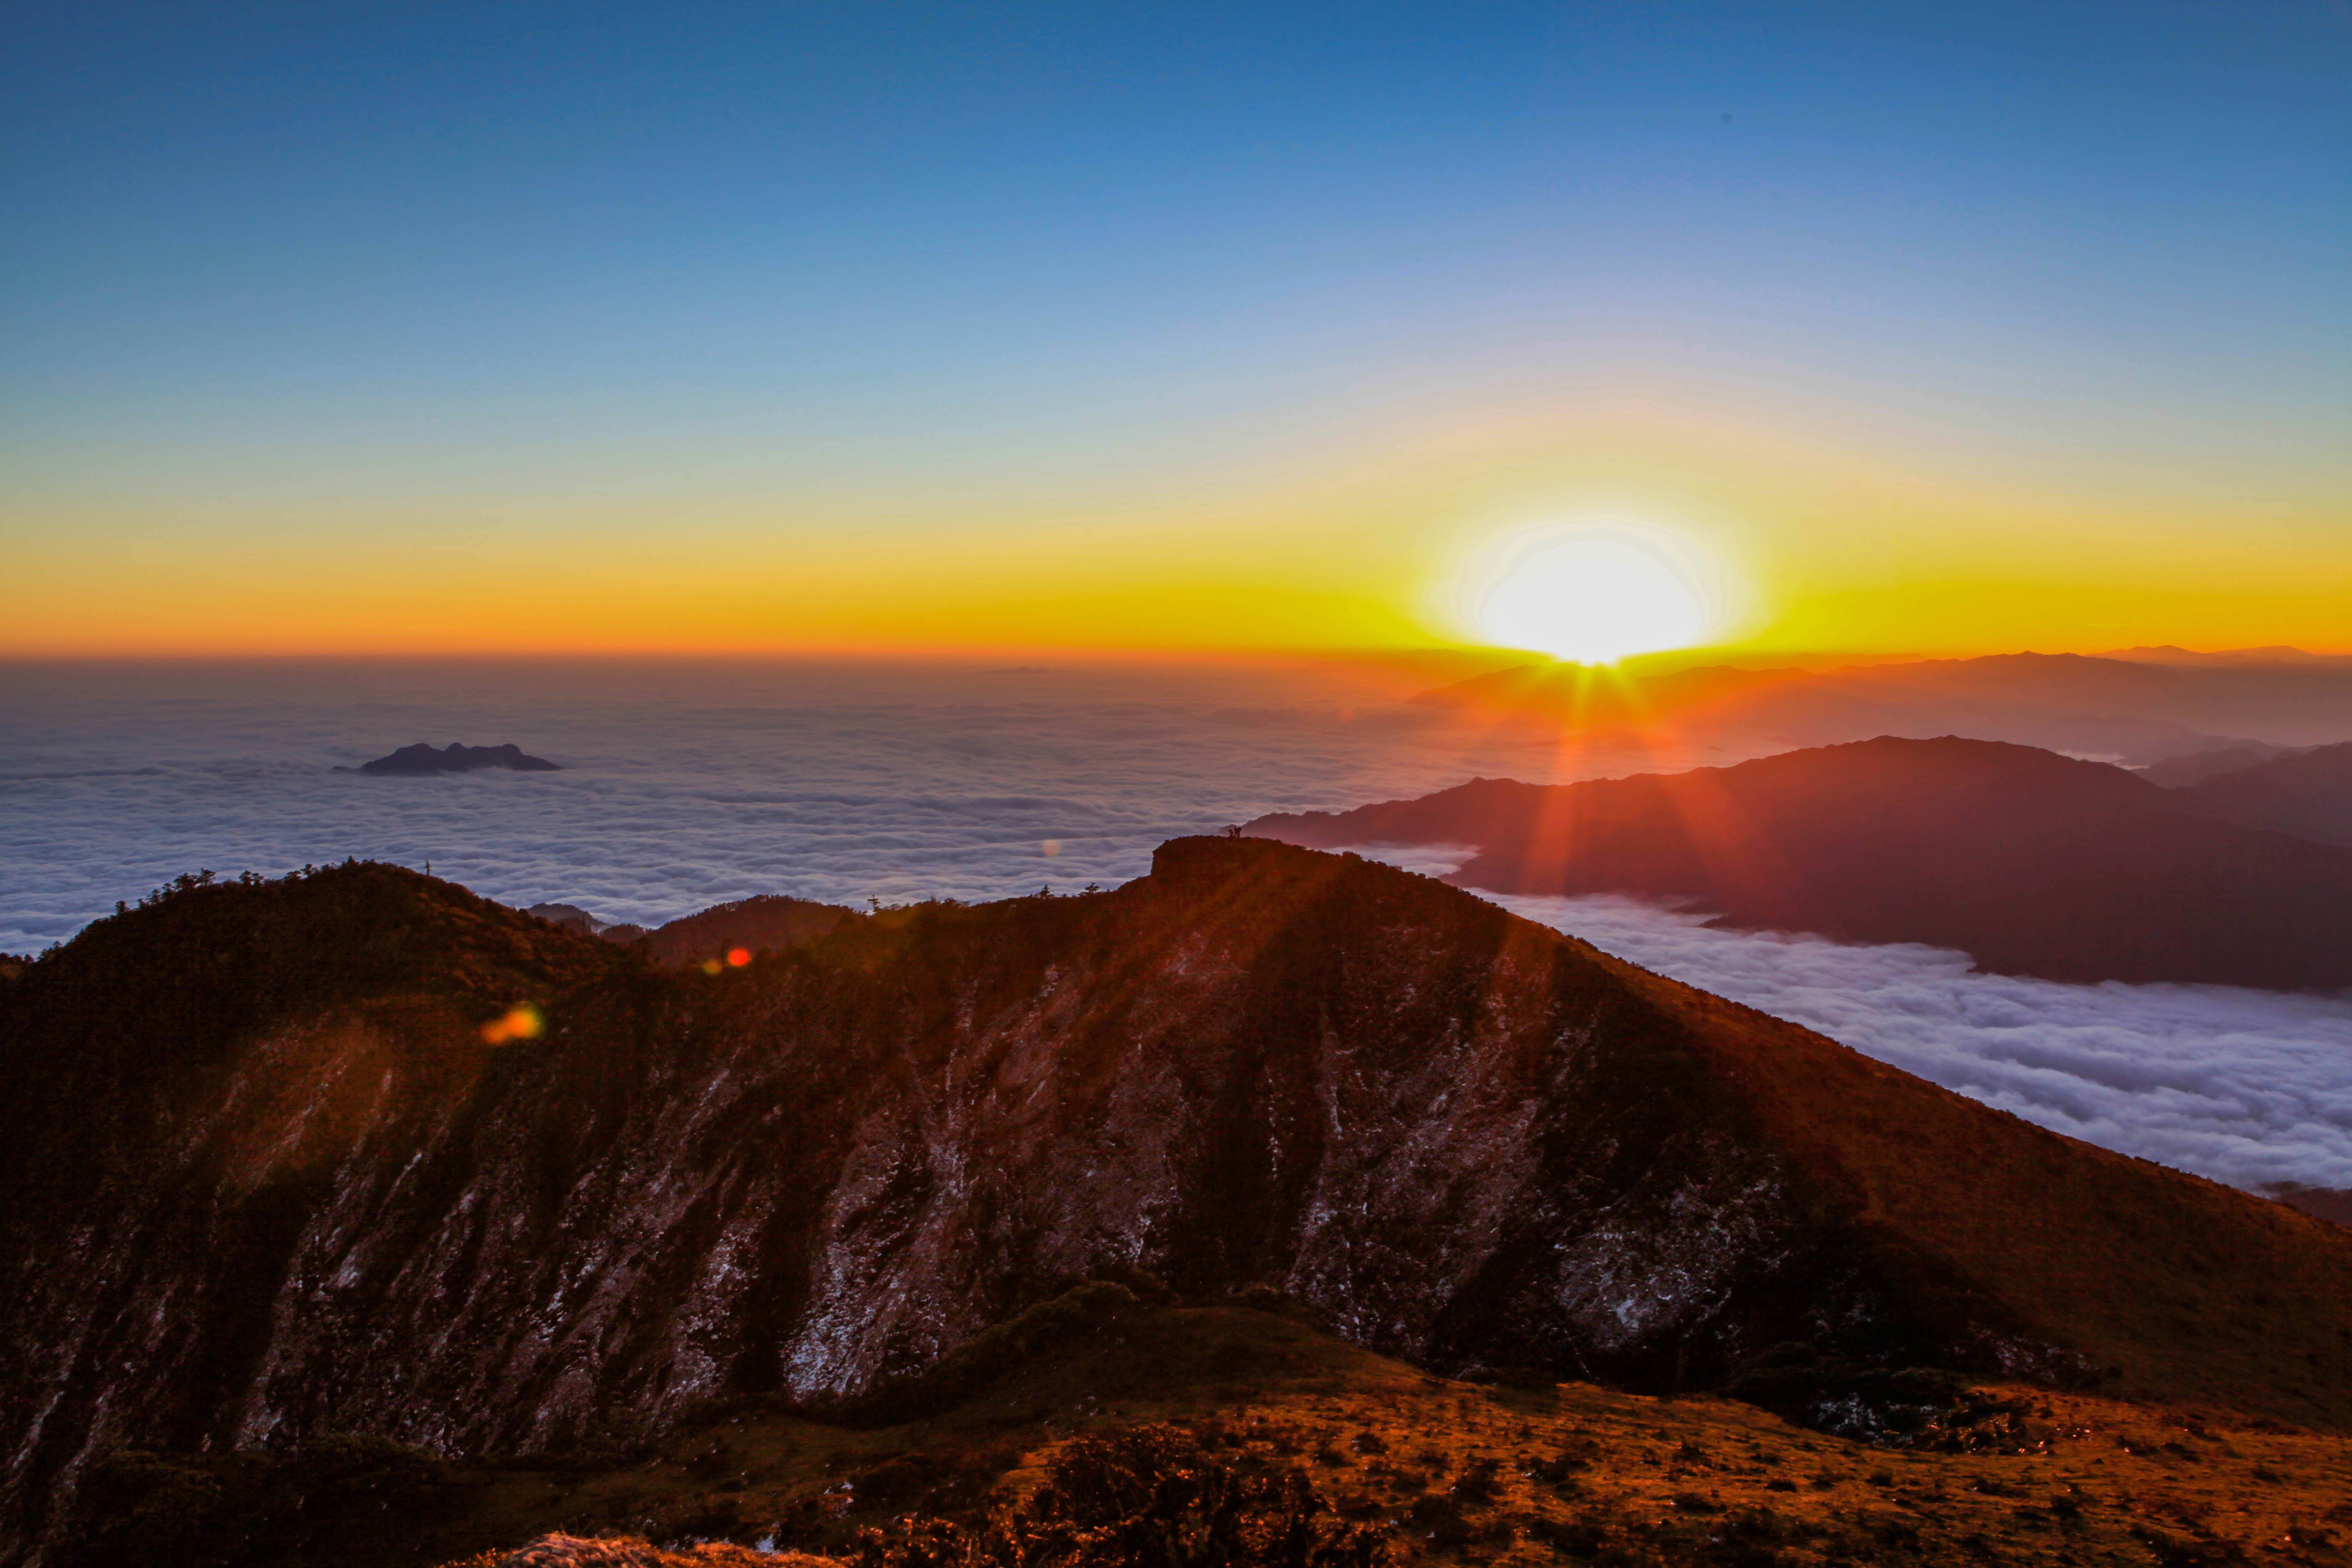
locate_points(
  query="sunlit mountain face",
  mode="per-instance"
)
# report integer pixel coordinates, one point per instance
(1280, 787)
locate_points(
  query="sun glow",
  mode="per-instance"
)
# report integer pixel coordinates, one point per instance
(1593, 600)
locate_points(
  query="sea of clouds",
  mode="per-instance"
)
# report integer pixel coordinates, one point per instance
(686, 785)
(689, 783)
(2251, 1088)
(2246, 1086)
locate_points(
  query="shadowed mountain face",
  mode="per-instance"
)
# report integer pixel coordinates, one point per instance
(262, 1177)
(453, 758)
(2308, 794)
(2196, 767)
(2033, 863)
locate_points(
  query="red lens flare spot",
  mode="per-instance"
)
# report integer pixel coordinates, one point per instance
(738, 956)
(521, 1021)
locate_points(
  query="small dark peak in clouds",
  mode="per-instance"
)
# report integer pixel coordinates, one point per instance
(2333, 1204)
(571, 916)
(2031, 862)
(421, 758)
(768, 924)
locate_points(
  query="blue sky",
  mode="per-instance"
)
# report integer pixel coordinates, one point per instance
(336, 254)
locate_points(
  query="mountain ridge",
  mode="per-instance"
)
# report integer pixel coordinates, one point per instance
(2306, 794)
(1464, 1138)
(2031, 862)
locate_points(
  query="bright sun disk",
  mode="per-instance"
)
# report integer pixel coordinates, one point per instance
(1591, 600)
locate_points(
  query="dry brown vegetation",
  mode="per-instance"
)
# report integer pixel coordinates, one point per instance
(1376, 1460)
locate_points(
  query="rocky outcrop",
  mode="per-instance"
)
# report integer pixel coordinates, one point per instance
(264, 1176)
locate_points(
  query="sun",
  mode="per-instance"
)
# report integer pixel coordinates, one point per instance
(1591, 600)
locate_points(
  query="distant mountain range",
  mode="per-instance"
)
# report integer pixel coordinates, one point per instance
(2137, 709)
(2196, 767)
(2273, 654)
(2031, 862)
(263, 1177)
(2307, 794)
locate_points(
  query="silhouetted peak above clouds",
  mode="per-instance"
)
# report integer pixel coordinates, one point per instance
(2031, 862)
(454, 758)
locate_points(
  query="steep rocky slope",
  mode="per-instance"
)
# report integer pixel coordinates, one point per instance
(265, 1176)
(2031, 862)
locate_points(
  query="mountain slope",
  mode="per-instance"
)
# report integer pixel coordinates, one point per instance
(2308, 794)
(2033, 863)
(2196, 767)
(263, 1175)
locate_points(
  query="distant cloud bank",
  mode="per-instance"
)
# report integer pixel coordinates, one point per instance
(685, 784)
(2246, 1086)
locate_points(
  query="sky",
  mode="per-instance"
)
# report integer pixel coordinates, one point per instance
(358, 328)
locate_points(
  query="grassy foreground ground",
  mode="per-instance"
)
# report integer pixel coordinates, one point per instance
(1430, 1470)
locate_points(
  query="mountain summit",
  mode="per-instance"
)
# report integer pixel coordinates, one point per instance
(266, 1175)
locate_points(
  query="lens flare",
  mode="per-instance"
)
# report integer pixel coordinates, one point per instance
(737, 957)
(520, 1022)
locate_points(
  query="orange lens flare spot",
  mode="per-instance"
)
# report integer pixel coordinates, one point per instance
(521, 1021)
(711, 967)
(737, 957)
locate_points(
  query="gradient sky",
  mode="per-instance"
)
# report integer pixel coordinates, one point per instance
(565, 327)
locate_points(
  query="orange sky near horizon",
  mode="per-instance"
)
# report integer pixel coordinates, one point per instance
(1805, 545)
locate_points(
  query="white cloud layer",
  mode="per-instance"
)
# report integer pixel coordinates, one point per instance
(686, 784)
(2246, 1086)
